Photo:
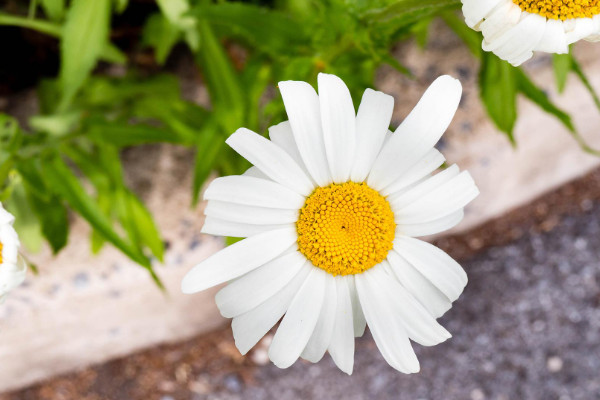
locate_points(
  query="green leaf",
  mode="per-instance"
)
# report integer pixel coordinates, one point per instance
(49, 28)
(53, 218)
(54, 9)
(226, 94)
(562, 66)
(109, 52)
(26, 223)
(138, 222)
(271, 31)
(176, 12)
(209, 148)
(56, 124)
(535, 94)
(84, 36)
(123, 134)
(120, 5)
(583, 78)
(404, 12)
(64, 183)
(470, 37)
(499, 92)
(160, 34)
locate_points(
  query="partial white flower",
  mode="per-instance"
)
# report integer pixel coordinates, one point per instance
(330, 210)
(514, 29)
(12, 265)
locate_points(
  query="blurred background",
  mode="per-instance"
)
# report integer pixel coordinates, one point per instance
(113, 116)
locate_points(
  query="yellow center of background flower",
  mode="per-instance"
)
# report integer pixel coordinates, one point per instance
(561, 9)
(1, 247)
(345, 228)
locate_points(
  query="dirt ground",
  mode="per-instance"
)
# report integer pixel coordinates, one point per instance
(527, 327)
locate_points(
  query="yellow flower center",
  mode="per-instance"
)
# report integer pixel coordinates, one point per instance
(1, 247)
(561, 9)
(345, 228)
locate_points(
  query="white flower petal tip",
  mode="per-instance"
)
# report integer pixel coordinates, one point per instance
(329, 184)
(13, 267)
(514, 32)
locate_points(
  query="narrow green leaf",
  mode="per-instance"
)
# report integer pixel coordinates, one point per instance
(49, 28)
(138, 222)
(120, 5)
(65, 184)
(226, 94)
(160, 34)
(176, 12)
(208, 150)
(54, 9)
(537, 95)
(562, 66)
(53, 218)
(403, 12)
(26, 223)
(271, 31)
(499, 92)
(470, 37)
(84, 36)
(581, 75)
(123, 134)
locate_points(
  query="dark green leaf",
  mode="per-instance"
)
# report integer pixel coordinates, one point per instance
(64, 183)
(123, 134)
(470, 37)
(499, 92)
(53, 217)
(84, 36)
(208, 150)
(160, 34)
(581, 75)
(271, 31)
(562, 66)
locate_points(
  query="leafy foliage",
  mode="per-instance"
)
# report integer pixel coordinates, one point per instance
(68, 159)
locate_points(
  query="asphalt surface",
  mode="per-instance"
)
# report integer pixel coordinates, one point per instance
(526, 327)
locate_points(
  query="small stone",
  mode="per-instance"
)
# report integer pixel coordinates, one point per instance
(554, 364)
(233, 383)
(477, 394)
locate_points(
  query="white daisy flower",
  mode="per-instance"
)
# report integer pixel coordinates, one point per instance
(12, 265)
(514, 29)
(330, 210)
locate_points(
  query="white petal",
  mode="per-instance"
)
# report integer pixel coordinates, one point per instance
(421, 169)
(341, 347)
(418, 133)
(270, 159)
(420, 287)
(250, 214)
(431, 227)
(253, 192)
(219, 227)
(358, 318)
(303, 110)
(476, 10)
(518, 42)
(248, 328)
(595, 36)
(238, 259)
(441, 270)
(440, 202)
(255, 173)
(583, 27)
(502, 18)
(282, 135)
(554, 39)
(389, 334)
(400, 200)
(321, 336)
(299, 321)
(257, 286)
(339, 125)
(417, 321)
(372, 124)
(10, 245)
(11, 276)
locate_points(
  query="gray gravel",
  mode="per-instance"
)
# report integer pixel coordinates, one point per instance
(526, 327)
